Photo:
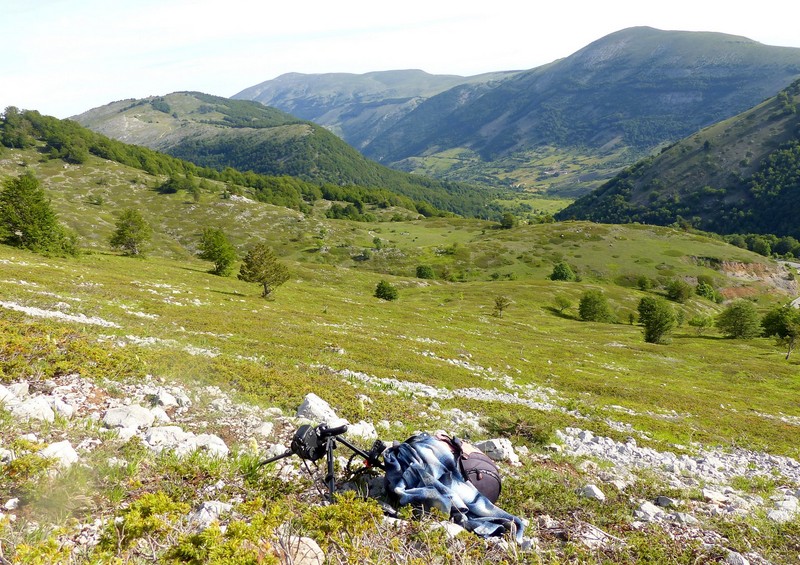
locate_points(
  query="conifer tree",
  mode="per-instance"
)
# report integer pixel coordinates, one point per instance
(28, 221)
(261, 266)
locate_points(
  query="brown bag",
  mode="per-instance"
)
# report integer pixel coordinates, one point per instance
(475, 466)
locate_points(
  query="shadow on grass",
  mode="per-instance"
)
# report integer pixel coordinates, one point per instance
(229, 292)
(560, 313)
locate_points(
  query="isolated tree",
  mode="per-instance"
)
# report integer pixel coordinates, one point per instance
(739, 320)
(508, 221)
(562, 272)
(562, 303)
(701, 323)
(783, 322)
(385, 291)
(657, 317)
(215, 247)
(425, 272)
(500, 304)
(27, 219)
(593, 307)
(261, 266)
(132, 232)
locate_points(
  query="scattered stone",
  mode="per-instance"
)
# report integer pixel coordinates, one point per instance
(499, 449)
(6, 395)
(11, 504)
(592, 492)
(133, 416)
(714, 496)
(300, 551)
(166, 437)
(60, 407)
(554, 447)
(208, 512)
(451, 529)
(735, 558)
(211, 444)
(62, 452)
(683, 518)
(36, 408)
(265, 429)
(6, 456)
(160, 415)
(647, 512)
(20, 390)
(666, 502)
(317, 410)
(363, 430)
(165, 399)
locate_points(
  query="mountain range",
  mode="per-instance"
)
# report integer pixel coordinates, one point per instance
(565, 125)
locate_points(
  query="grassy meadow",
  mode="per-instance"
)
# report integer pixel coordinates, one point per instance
(113, 318)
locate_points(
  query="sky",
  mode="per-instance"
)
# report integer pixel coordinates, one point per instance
(63, 57)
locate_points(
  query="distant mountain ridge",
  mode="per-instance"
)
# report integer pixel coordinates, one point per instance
(612, 102)
(357, 107)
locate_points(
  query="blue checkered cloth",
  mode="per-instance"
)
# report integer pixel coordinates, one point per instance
(422, 471)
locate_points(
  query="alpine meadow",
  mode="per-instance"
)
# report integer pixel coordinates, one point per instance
(596, 285)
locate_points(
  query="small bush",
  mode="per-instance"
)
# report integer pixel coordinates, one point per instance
(593, 307)
(562, 272)
(425, 272)
(386, 291)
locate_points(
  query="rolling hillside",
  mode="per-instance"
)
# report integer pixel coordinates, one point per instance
(738, 176)
(583, 402)
(219, 133)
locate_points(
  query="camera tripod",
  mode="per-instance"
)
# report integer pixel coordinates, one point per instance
(313, 443)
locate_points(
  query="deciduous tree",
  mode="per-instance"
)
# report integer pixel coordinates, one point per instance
(739, 320)
(215, 247)
(132, 232)
(593, 307)
(657, 317)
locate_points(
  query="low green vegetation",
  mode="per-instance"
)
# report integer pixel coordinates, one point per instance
(491, 317)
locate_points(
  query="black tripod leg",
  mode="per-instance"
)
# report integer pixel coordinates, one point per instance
(277, 457)
(330, 480)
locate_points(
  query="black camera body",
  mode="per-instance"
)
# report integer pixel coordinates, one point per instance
(307, 444)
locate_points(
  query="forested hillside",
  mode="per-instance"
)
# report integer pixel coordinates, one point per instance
(738, 176)
(218, 133)
(67, 140)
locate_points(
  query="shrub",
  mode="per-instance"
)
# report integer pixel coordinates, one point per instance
(425, 272)
(28, 221)
(500, 304)
(215, 247)
(562, 272)
(739, 320)
(657, 317)
(593, 307)
(679, 290)
(385, 291)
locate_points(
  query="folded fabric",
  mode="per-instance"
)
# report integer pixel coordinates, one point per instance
(423, 472)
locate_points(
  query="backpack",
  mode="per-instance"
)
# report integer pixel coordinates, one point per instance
(475, 466)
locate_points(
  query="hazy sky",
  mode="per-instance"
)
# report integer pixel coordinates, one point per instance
(63, 57)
